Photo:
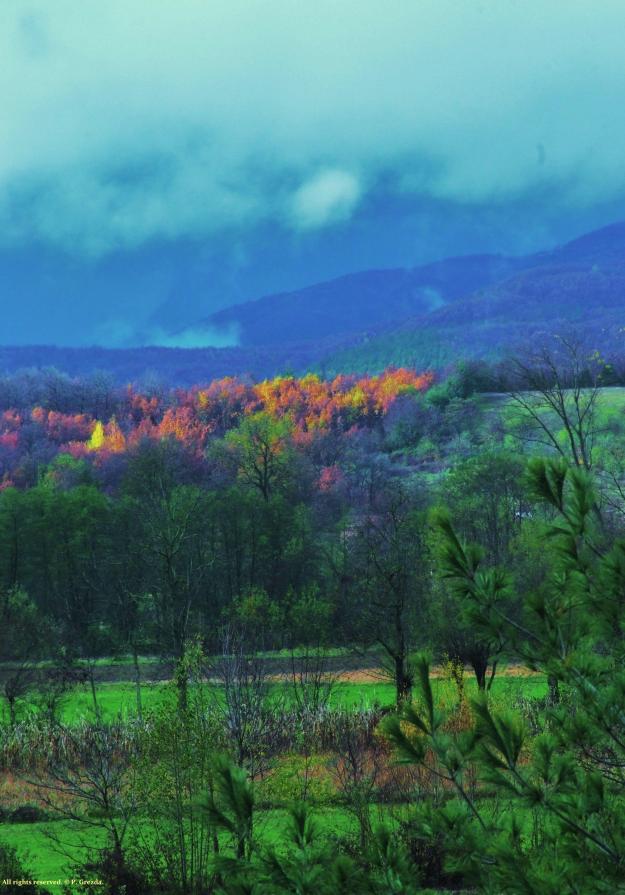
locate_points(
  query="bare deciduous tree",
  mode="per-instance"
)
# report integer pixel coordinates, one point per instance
(558, 387)
(389, 552)
(244, 701)
(87, 783)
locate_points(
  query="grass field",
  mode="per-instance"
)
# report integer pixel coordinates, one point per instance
(610, 400)
(55, 849)
(43, 857)
(118, 700)
(40, 854)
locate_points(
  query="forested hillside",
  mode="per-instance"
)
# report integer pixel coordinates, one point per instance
(580, 286)
(361, 301)
(52, 419)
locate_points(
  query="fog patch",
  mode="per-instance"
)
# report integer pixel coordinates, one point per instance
(121, 334)
(196, 337)
(434, 298)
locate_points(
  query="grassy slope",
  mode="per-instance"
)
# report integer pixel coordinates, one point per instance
(610, 404)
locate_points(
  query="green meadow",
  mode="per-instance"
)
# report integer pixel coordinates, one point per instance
(119, 699)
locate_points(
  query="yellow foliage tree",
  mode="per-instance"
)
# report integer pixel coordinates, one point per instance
(97, 437)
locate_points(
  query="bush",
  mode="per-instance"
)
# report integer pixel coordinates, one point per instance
(116, 875)
(27, 814)
(11, 868)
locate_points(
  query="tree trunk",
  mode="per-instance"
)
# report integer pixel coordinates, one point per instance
(553, 695)
(11, 701)
(118, 853)
(403, 681)
(182, 684)
(135, 659)
(94, 695)
(493, 671)
(480, 667)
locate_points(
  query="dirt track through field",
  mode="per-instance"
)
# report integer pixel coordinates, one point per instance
(349, 669)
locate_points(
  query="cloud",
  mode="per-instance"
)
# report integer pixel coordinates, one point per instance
(119, 333)
(130, 121)
(194, 337)
(327, 197)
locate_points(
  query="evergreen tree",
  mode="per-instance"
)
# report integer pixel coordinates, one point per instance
(563, 827)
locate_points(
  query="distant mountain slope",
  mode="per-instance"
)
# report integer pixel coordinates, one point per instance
(589, 297)
(358, 302)
(473, 291)
(477, 306)
(602, 247)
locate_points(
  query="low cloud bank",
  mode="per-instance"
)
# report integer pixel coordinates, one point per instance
(195, 337)
(128, 121)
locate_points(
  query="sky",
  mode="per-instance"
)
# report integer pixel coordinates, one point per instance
(161, 159)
